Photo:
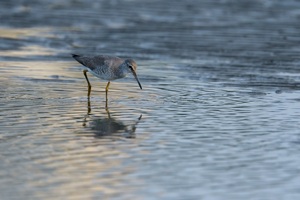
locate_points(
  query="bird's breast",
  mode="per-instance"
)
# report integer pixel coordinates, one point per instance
(107, 73)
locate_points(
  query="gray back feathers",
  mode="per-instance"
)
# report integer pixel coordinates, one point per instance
(98, 61)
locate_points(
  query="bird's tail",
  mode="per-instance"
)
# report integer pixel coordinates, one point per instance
(75, 55)
(78, 58)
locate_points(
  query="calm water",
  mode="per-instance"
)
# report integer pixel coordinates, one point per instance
(218, 116)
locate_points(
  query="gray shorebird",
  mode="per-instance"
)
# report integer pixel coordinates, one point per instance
(107, 67)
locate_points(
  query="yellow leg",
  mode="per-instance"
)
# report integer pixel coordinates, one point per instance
(106, 90)
(89, 85)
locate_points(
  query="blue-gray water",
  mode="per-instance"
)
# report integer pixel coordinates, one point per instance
(218, 116)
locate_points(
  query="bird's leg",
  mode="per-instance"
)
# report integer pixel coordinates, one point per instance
(106, 89)
(89, 85)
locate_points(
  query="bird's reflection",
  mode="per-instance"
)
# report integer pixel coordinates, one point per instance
(108, 125)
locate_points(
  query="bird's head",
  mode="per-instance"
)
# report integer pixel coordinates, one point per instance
(131, 68)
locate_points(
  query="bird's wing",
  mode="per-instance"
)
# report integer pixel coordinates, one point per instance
(98, 61)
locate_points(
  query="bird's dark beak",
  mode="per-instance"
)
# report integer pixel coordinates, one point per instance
(136, 78)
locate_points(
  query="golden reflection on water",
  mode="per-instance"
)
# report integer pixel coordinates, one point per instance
(16, 33)
(18, 71)
(33, 50)
(95, 162)
(86, 171)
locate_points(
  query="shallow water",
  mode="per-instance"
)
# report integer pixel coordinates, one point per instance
(218, 116)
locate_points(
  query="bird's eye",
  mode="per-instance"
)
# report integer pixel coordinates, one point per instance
(130, 67)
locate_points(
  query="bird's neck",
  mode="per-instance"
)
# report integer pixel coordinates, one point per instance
(122, 70)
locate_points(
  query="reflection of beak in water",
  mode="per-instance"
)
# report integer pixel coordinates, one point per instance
(109, 126)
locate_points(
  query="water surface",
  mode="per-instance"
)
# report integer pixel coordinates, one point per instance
(218, 116)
